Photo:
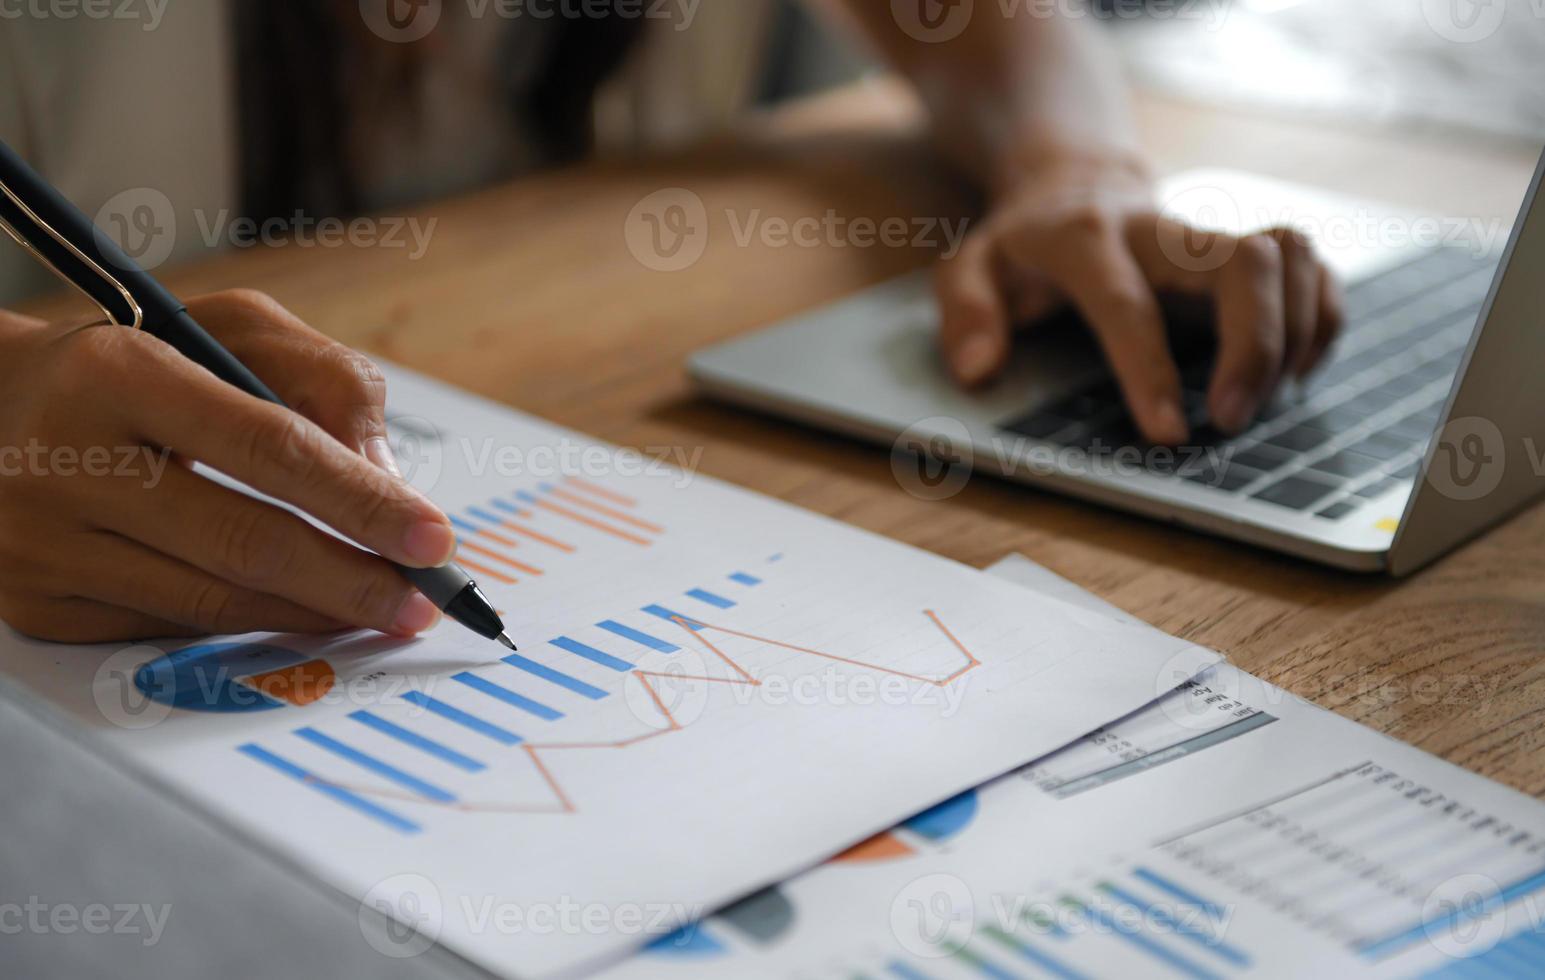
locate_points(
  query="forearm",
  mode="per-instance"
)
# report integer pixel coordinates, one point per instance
(1012, 92)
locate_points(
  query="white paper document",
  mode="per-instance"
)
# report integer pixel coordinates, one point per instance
(713, 691)
(1229, 830)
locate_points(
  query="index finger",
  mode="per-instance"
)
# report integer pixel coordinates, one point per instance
(1104, 282)
(285, 456)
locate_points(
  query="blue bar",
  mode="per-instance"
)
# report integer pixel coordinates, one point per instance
(370, 763)
(506, 506)
(1227, 952)
(484, 515)
(703, 595)
(418, 741)
(1158, 952)
(523, 495)
(1164, 884)
(555, 676)
(590, 653)
(1517, 889)
(628, 633)
(900, 969)
(507, 696)
(467, 526)
(670, 616)
(745, 579)
(461, 718)
(985, 968)
(338, 793)
(1048, 963)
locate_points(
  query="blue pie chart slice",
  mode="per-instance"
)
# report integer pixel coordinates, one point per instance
(218, 677)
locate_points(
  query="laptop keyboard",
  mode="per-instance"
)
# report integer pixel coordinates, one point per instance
(1357, 429)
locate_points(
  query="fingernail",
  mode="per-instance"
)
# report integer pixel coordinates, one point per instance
(429, 544)
(379, 452)
(1169, 423)
(415, 615)
(975, 358)
(1236, 409)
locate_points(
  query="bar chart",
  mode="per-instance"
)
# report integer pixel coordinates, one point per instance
(1209, 716)
(519, 535)
(515, 706)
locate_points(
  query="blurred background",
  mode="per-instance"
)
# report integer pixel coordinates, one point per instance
(1465, 66)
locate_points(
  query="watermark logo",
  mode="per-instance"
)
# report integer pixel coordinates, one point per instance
(932, 21)
(932, 459)
(401, 21)
(675, 696)
(142, 223)
(1470, 459)
(933, 916)
(1196, 235)
(401, 916)
(1465, 21)
(420, 453)
(668, 230)
(119, 699)
(1464, 916)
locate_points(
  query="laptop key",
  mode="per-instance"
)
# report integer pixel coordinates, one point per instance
(1039, 425)
(1262, 457)
(1337, 510)
(1384, 446)
(1346, 463)
(1299, 439)
(1295, 493)
(1228, 478)
(1377, 488)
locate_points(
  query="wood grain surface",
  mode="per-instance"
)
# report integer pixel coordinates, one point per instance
(529, 295)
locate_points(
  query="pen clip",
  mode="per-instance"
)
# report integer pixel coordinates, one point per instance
(86, 260)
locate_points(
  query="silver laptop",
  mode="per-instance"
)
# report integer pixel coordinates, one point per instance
(1425, 426)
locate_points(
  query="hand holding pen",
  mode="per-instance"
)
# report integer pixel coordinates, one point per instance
(106, 532)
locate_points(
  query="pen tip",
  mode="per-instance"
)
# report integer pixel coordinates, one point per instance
(504, 638)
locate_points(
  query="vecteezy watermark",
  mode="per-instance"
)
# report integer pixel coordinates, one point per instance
(938, 21)
(144, 464)
(668, 231)
(423, 452)
(1472, 458)
(37, 917)
(936, 915)
(933, 459)
(1473, 21)
(148, 13)
(407, 21)
(403, 915)
(1204, 222)
(142, 222)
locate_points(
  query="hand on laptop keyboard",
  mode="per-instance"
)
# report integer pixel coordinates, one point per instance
(1089, 237)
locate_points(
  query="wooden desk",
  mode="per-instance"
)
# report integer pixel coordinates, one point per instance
(528, 295)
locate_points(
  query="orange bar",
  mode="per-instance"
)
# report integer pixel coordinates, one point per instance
(499, 538)
(300, 685)
(571, 515)
(483, 570)
(489, 553)
(609, 512)
(538, 536)
(611, 495)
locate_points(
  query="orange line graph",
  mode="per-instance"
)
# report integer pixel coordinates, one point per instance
(562, 804)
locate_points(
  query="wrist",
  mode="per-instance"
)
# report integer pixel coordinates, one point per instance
(1078, 166)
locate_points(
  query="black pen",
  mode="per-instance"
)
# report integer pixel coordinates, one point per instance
(45, 223)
